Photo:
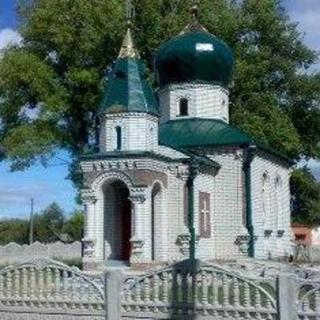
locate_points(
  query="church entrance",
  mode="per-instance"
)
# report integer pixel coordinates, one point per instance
(117, 215)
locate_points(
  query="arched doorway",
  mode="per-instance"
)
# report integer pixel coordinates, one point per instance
(117, 217)
(156, 209)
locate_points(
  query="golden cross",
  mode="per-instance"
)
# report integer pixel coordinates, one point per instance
(130, 10)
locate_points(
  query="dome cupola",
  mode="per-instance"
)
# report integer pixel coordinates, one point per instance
(194, 56)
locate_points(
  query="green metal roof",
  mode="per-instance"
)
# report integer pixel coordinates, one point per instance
(196, 132)
(194, 56)
(128, 89)
(183, 134)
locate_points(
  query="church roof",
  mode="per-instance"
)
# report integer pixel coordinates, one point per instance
(205, 133)
(127, 89)
(196, 132)
(195, 55)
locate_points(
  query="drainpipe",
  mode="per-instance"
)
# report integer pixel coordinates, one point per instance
(250, 152)
(193, 172)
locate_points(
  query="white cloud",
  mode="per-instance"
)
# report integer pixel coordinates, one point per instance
(307, 13)
(9, 37)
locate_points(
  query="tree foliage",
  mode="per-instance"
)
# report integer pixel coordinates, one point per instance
(50, 225)
(306, 200)
(50, 86)
(74, 226)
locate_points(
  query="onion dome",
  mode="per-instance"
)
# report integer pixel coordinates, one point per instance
(195, 55)
(127, 89)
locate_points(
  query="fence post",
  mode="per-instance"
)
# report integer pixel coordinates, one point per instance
(113, 287)
(286, 296)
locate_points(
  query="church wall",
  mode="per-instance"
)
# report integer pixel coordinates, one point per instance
(271, 207)
(139, 132)
(205, 101)
(227, 204)
(174, 218)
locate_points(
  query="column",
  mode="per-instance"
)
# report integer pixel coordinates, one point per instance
(89, 241)
(139, 208)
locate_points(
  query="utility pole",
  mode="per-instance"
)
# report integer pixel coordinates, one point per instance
(31, 222)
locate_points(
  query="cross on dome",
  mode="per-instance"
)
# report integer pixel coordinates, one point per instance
(128, 48)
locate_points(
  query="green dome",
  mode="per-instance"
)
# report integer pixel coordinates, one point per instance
(194, 56)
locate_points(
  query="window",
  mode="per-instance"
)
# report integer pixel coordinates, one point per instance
(278, 201)
(183, 107)
(265, 197)
(119, 138)
(204, 211)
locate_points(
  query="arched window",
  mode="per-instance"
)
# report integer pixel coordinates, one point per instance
(278, 201)
(265, 197)
(119, 138)
(156, 213)
(183, 107)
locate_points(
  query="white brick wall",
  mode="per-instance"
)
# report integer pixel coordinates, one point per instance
(226, 190)
(139, 132)
(205, 101)
(227, 204)
(273, 213)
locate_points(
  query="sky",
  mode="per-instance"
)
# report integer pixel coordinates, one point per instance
(46, 185)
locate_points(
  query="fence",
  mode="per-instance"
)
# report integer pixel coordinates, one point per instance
(45, 289)
(16, 253)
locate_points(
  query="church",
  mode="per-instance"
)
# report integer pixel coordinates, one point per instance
(172, 178)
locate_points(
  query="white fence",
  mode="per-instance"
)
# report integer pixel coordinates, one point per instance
(15, 253)
(45, 289)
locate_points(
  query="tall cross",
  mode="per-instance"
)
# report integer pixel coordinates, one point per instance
(130, 11)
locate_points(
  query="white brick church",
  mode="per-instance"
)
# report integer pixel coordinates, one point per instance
(170, 168)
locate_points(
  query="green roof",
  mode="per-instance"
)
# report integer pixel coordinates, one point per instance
(196, 132)
(190, 133)
(128, 89)
(194, 56)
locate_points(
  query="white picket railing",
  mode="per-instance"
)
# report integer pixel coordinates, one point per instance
(46, 286)
(309, 300)
(45, 289)
(204, 290)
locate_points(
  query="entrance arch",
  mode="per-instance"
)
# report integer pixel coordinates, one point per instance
(117, 221)
(156, 212)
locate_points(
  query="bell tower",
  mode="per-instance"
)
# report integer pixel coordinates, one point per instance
(128, 111)
(193, 71)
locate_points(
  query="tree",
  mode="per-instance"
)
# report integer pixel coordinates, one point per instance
(306, 200)
(73, 227)
(50, 86)
(14, 230)
(48, 224)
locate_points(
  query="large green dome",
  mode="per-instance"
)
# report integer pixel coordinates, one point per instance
(194, 56)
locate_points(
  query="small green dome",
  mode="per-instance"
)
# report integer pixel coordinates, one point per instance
(194, 56)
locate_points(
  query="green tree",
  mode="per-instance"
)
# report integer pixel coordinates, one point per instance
(306, 200)
(14, 230)
(58, 73)
(73, 227)
(48, 224)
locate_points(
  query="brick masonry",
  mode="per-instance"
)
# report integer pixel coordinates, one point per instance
(156, 189)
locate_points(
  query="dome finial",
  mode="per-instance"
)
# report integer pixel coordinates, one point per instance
(194, 24)
(194, 10)
(128, 48)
